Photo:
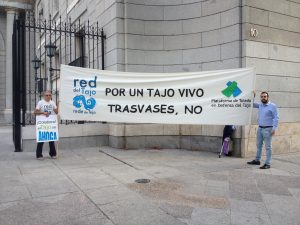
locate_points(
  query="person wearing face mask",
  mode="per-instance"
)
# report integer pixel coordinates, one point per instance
(267, 125)
(46, 107)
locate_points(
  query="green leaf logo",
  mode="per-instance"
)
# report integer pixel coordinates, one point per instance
(232, 89)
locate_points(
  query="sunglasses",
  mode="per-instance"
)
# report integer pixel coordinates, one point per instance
(263, 96)
(48, 95)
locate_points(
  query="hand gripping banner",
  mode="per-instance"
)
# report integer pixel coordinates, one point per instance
(212, 97)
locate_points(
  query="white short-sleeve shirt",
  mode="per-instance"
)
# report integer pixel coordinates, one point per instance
(44, 106)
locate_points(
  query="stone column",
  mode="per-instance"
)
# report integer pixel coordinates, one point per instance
(10, 15)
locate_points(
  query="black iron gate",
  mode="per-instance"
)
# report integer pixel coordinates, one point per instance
(39, 48)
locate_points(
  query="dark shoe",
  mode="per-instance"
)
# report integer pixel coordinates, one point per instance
(254, 162)
(229, 154)
(265, 167)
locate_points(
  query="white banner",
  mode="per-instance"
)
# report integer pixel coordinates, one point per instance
(46, 128)
(212, 97)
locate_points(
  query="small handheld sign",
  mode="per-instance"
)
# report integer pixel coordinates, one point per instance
(46, 128)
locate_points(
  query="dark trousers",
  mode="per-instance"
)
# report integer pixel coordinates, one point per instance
(39, 149)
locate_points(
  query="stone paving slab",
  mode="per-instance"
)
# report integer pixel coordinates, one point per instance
(210, 216)
(238, 218)
(9, 193)
(93, 219)
(47, 184)
(96, 186)
(48, 210)
(272, 185)
(90, 178)
(283, 209)
(182, 212)
(138, 212)
(251, 207)
(107, 195)
(295, 192)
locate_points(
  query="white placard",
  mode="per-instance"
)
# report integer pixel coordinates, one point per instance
(46, 128)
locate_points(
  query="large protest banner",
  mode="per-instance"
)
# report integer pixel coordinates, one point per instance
(212, 97)
(46, 128)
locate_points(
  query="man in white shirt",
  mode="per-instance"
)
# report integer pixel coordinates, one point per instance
(46, 107)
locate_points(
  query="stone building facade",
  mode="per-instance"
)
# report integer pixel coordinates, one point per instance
(275, 55)
(197, 35)
(8, 11)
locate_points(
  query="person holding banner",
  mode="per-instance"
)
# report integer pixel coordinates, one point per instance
(46, 107)
(267, 125)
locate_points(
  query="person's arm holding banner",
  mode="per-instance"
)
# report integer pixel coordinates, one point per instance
(255, 104)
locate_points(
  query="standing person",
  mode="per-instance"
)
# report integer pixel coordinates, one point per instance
(227, 133)
(46, 107)
(268, 123)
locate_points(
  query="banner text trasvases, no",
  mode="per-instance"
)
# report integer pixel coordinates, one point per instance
(163, 109)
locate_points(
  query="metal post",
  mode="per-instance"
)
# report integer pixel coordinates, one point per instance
(16, 88)
(49, 76)
(102, 47)
(22, 75)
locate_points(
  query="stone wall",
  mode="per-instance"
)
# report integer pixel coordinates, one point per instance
(179, 35)
(275, 55)
(135, 136)
(170, 136)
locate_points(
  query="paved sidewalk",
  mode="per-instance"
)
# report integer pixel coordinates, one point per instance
(96, 186)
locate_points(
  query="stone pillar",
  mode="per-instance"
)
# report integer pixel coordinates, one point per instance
(10, 15)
